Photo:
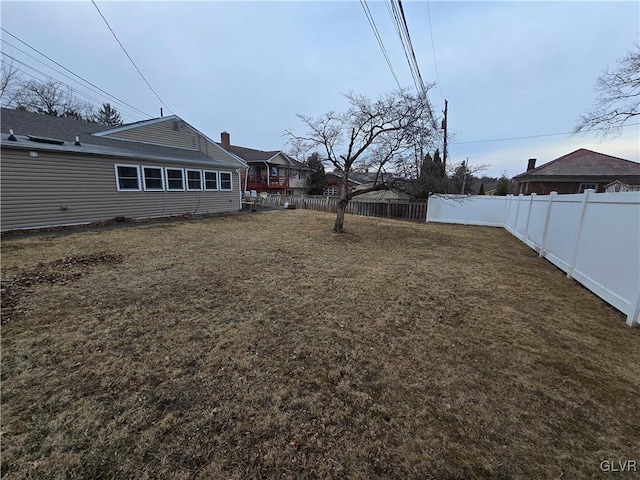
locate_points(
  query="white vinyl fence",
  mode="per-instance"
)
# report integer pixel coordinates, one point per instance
(593, 237)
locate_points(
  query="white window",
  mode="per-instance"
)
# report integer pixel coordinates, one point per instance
(587, 186)
(175, 179)
(194, 180)
(153, 179)
(331, 191)
(127, 178)
(210, 180)
(225, 181)
(302, 175)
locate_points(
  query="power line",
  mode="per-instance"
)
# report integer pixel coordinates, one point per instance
(433, 49)
(395, 18)
(537, 136)
(129, 57)
(400, 22)
(413, 54)
(46, 75)
(372, 22)
(134, 111)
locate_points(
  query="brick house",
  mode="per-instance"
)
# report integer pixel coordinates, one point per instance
(576, 172)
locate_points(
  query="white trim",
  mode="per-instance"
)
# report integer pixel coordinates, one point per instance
(130, 126)
(230, 179)
(144, 178)
(189, 189)
(137, 167)
(166, 176)
(236, 157)
(215, 172)
(588, 186)
(198, 132)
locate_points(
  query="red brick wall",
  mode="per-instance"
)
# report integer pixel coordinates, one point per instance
(545, 188)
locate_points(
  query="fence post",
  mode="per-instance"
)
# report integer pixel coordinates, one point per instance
(515, 223)
(526, 228)
(545, 231)
(507, 209)
(466, 220)
(574, 256)
(427, 208)
(634, 315)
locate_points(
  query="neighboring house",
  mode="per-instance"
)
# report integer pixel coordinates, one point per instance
(576, 172)
(619, 186)
(62, 171)
(333, 187)
(360, 181)
(270, 171)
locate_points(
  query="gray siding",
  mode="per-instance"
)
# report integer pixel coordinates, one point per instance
(162, 133)
(57, 189)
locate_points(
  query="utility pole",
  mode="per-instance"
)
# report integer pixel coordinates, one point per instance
(466, 169)
(444, 127)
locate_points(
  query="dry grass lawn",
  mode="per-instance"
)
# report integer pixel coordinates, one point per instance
(263, 346)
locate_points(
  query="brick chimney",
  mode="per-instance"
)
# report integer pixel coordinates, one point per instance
(530, 166)
(225, 139)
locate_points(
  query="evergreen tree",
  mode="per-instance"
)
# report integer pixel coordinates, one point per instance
(316, 180)
(481, 191)
(503, 186)
(108, 115)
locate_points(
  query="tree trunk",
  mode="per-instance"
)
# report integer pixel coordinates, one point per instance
(342, 206)
(338, 227)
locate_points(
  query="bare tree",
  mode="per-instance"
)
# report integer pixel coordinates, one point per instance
(8, 79)
(618, 97)
(50, 98)
(369, 134)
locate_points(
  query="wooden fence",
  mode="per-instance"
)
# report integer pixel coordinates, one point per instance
(396, 209)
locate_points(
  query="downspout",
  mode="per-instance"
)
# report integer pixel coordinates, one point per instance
(246, 178)
(239, 188)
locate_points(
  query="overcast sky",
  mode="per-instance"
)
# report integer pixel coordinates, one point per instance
(508, 69)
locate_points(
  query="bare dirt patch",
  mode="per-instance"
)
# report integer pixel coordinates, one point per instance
(266, 347)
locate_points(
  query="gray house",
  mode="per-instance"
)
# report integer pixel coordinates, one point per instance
(61, 171)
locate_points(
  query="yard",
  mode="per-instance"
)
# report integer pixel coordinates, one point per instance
(263, 346)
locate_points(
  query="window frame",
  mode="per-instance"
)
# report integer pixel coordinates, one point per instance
(144, 178)
(230, 189)
(329, 191)
(187, 180)
(166, 176)
(204, 178)
(137, 167)
(587, 186)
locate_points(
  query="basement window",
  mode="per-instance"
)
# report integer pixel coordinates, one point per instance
(153, 179)
(194, 180)
(127, 178)
(210, 180)
(175, 179)
(225, 181)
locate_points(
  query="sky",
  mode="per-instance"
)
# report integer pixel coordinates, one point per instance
(508, 69)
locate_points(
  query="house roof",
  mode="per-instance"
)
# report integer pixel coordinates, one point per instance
(250, 155)
(364, 178)
(583, 163)
(25, 124)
